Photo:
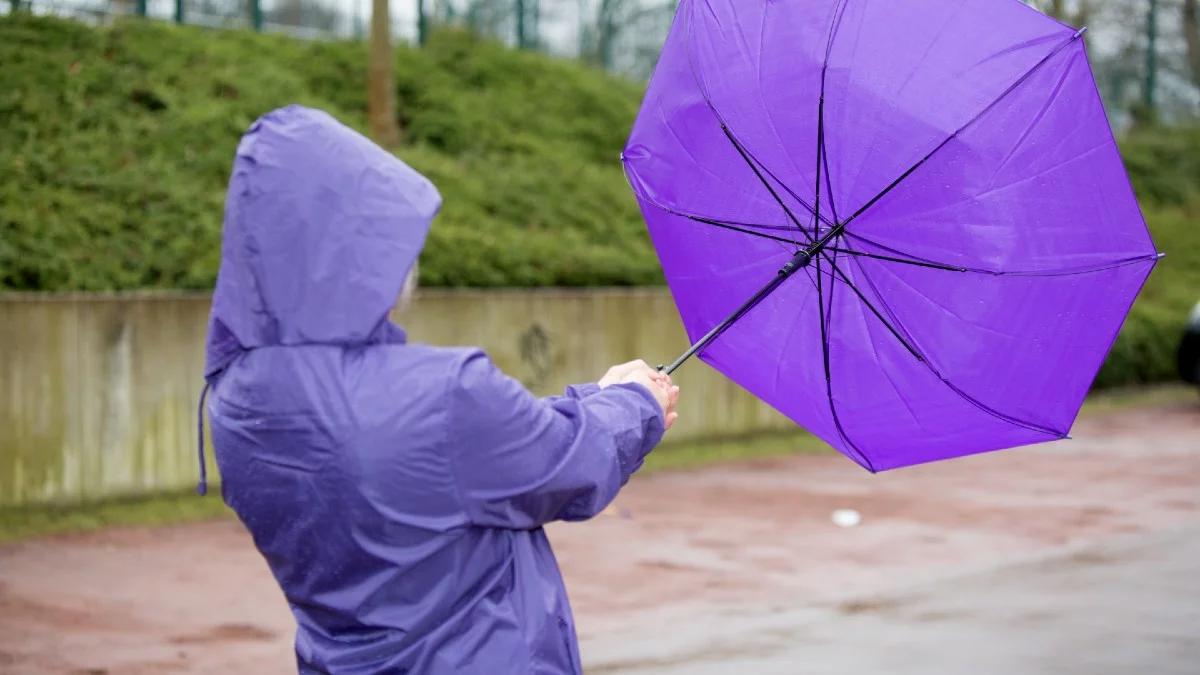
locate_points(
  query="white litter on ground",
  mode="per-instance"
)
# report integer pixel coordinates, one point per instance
(845, 517)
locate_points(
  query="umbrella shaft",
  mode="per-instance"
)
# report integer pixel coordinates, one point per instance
(798, 261)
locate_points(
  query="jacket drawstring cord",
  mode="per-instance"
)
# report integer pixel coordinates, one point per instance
(202, 486)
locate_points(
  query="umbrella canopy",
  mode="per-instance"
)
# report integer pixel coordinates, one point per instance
(906, 226)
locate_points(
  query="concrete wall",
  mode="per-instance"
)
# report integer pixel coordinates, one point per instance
(98, 393)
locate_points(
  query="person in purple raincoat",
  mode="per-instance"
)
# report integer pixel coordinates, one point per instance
(397, 491)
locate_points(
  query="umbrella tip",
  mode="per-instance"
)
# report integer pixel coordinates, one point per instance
(1160, 255)
(1079, 32)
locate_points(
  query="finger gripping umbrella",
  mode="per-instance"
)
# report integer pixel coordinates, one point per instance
(905, 225)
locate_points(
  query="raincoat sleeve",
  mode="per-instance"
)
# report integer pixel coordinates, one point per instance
(521, 461)
(575, 391)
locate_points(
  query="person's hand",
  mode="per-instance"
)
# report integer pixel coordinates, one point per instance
(619, 371)
(660, 385)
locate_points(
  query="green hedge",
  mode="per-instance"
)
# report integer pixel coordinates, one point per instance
(1145, 351)
(1164, 165)
(115, 145)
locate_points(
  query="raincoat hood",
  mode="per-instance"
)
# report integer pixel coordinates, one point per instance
(321, 228)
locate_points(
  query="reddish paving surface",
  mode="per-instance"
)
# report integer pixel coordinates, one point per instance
(691, 545)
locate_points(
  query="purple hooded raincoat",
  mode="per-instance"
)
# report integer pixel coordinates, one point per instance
(397, 491)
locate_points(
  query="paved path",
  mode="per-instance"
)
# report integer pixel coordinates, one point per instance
(1073, 557)
(1119, 608)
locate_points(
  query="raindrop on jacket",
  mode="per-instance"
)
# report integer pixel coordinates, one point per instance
(397, 491)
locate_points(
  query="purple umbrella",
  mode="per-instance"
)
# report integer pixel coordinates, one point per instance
(905, 225)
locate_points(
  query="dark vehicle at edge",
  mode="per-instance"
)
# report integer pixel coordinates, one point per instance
(1189, 349)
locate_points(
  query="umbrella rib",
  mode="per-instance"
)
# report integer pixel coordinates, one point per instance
(886, 324)
(751, 226)
(903, 261)
(911, 259)
(1072, 271)
(767, 170)
(895, 331)
(871, 202)
(786, 188)
(838, 12)
(905, 254)
(819, 242)
(751, 160)
(748, 156)
(730, 225)
(734, 228)
(692, 216)
(762, 179)
(820, 151)
(821, 316)
(825, 357)
(828, 183)
(742, 227)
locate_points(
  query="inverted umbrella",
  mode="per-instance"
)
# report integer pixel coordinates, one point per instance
(905, 225)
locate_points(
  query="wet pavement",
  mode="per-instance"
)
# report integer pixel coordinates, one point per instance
(1127, 607)
(1073, 557)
